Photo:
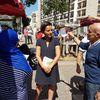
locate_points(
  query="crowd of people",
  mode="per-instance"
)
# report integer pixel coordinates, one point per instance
(16, 83)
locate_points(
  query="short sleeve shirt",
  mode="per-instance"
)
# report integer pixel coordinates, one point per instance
(50, 50)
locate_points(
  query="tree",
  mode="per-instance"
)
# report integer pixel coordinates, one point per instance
(28, 2)
(54, 6)
(26, 21)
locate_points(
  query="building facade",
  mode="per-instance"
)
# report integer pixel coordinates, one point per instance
(36, 17)
(78, 10)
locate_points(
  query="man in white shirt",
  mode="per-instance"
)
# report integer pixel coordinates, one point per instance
(63, 36)
(30, 33)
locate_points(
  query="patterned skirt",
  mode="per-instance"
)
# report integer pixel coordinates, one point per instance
(14, 84)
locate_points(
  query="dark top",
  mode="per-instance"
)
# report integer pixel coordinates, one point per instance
(92, 62)
(41, 76)
(56, 33)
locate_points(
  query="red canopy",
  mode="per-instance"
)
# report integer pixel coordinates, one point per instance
(12, 8)
(88, 21)
(11, 2)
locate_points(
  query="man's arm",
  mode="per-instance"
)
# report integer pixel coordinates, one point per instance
(71, 35)
(78, 61)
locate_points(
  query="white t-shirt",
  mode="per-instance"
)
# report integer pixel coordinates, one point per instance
(84, 40)
(62, 32)
(29, 32)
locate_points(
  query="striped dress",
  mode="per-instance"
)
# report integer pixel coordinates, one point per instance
(15, 73)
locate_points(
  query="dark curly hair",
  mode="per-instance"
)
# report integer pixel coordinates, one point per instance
(44, 25)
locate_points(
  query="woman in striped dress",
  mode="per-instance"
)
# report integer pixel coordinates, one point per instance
(15, 73)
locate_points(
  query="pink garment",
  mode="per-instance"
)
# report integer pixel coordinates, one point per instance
(39, 35)
(25, 32)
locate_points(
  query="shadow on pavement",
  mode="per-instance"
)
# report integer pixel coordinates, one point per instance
(77, 87)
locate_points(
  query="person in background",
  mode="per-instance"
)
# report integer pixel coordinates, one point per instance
(56, 31)
(30, 33)
(15, 73)
(26, 35)
(92, 61)
(39, 35)
(47, 74)
(63, 37)
(20, 35)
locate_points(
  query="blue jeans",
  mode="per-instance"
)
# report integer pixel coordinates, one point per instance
(90, 91)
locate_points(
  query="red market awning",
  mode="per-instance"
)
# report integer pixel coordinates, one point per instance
(8, 9)
(84, 22)
(12, 8)
(11, 2)
(88, 21)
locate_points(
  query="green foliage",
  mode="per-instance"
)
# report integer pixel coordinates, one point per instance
(26, 21)
(55, 6)
(29, 2)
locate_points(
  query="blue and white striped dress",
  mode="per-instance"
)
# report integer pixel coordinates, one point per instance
(15, 73)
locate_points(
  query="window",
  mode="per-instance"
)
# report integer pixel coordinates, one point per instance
(57, 17)
(84, 12)
(83, 4)
(72, 1)
(72, 6)
(71, 14)
(79, 5)
(33, 15)
(98, 10)
(98, 1)
(61, 17)
(65, 16)
(34, 20)
(71, 20)
(79, 13)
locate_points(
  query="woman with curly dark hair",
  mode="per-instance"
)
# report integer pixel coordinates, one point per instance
(47, 53)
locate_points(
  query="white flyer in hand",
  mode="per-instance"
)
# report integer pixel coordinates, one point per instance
(47, 61)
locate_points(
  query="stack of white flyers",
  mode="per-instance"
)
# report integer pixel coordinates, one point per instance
(47, 61)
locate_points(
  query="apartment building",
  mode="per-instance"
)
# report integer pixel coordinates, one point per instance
(36, 17)
(78, 10)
